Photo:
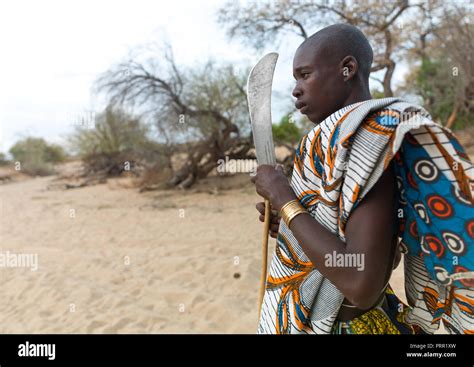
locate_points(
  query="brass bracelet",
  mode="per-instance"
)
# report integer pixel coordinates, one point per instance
(287, 209)
(296, 213)
(290, 210)
(287, 204)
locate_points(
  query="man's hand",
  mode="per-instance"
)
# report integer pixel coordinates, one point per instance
(274, 219)
(272, 184)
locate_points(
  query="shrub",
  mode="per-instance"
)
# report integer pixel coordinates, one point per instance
(36, 156)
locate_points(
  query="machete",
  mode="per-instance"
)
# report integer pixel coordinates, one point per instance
(259, 94)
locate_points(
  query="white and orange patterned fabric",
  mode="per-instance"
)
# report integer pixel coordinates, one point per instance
(336, 165)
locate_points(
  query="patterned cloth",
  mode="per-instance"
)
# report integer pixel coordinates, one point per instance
(336, 165)
(386, 318)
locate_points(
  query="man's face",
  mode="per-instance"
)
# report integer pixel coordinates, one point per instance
(319, 89)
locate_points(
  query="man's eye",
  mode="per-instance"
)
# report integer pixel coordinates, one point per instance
(304, 75)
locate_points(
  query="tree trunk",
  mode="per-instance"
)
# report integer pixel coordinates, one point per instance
(202, 159)
(387, 79)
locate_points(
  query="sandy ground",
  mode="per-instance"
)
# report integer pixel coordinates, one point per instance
(112, 260)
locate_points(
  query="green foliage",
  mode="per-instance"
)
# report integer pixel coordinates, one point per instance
(55, 153)
(36, 156)
(3, 159)
(286, 131)
(376, 94)
(114, 131)
(215, 92)
(441, 88)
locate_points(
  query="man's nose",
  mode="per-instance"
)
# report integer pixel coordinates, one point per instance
(296, 91)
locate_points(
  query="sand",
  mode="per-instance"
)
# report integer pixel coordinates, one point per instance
(112, 260)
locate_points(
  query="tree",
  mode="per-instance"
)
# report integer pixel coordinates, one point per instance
(3, 159)
(116, 142)
(36, 156)
(202, 111)
(263, 22)
(113, 131)
(445, 76)
(287, 132)
(395, 29)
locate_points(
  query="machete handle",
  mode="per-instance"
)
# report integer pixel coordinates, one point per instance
(266, 229)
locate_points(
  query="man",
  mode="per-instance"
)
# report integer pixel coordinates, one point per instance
(338, 242)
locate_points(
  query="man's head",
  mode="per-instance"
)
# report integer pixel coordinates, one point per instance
(332, 70)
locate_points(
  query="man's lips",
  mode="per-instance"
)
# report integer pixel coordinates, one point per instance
(301, 106)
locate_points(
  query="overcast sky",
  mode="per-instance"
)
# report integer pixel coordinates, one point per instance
(52, 51)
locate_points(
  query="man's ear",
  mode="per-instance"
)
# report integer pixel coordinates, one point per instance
(349, 67)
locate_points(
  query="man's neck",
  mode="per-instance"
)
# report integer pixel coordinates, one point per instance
(358, 96)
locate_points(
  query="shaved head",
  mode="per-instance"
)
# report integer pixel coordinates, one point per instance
(340, 40)
(331, 69)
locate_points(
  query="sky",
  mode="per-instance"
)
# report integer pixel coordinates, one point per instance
(53, 51)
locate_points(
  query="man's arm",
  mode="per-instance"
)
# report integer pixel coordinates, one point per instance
(369, 232)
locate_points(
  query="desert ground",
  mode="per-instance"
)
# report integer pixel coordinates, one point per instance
(113, 260)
